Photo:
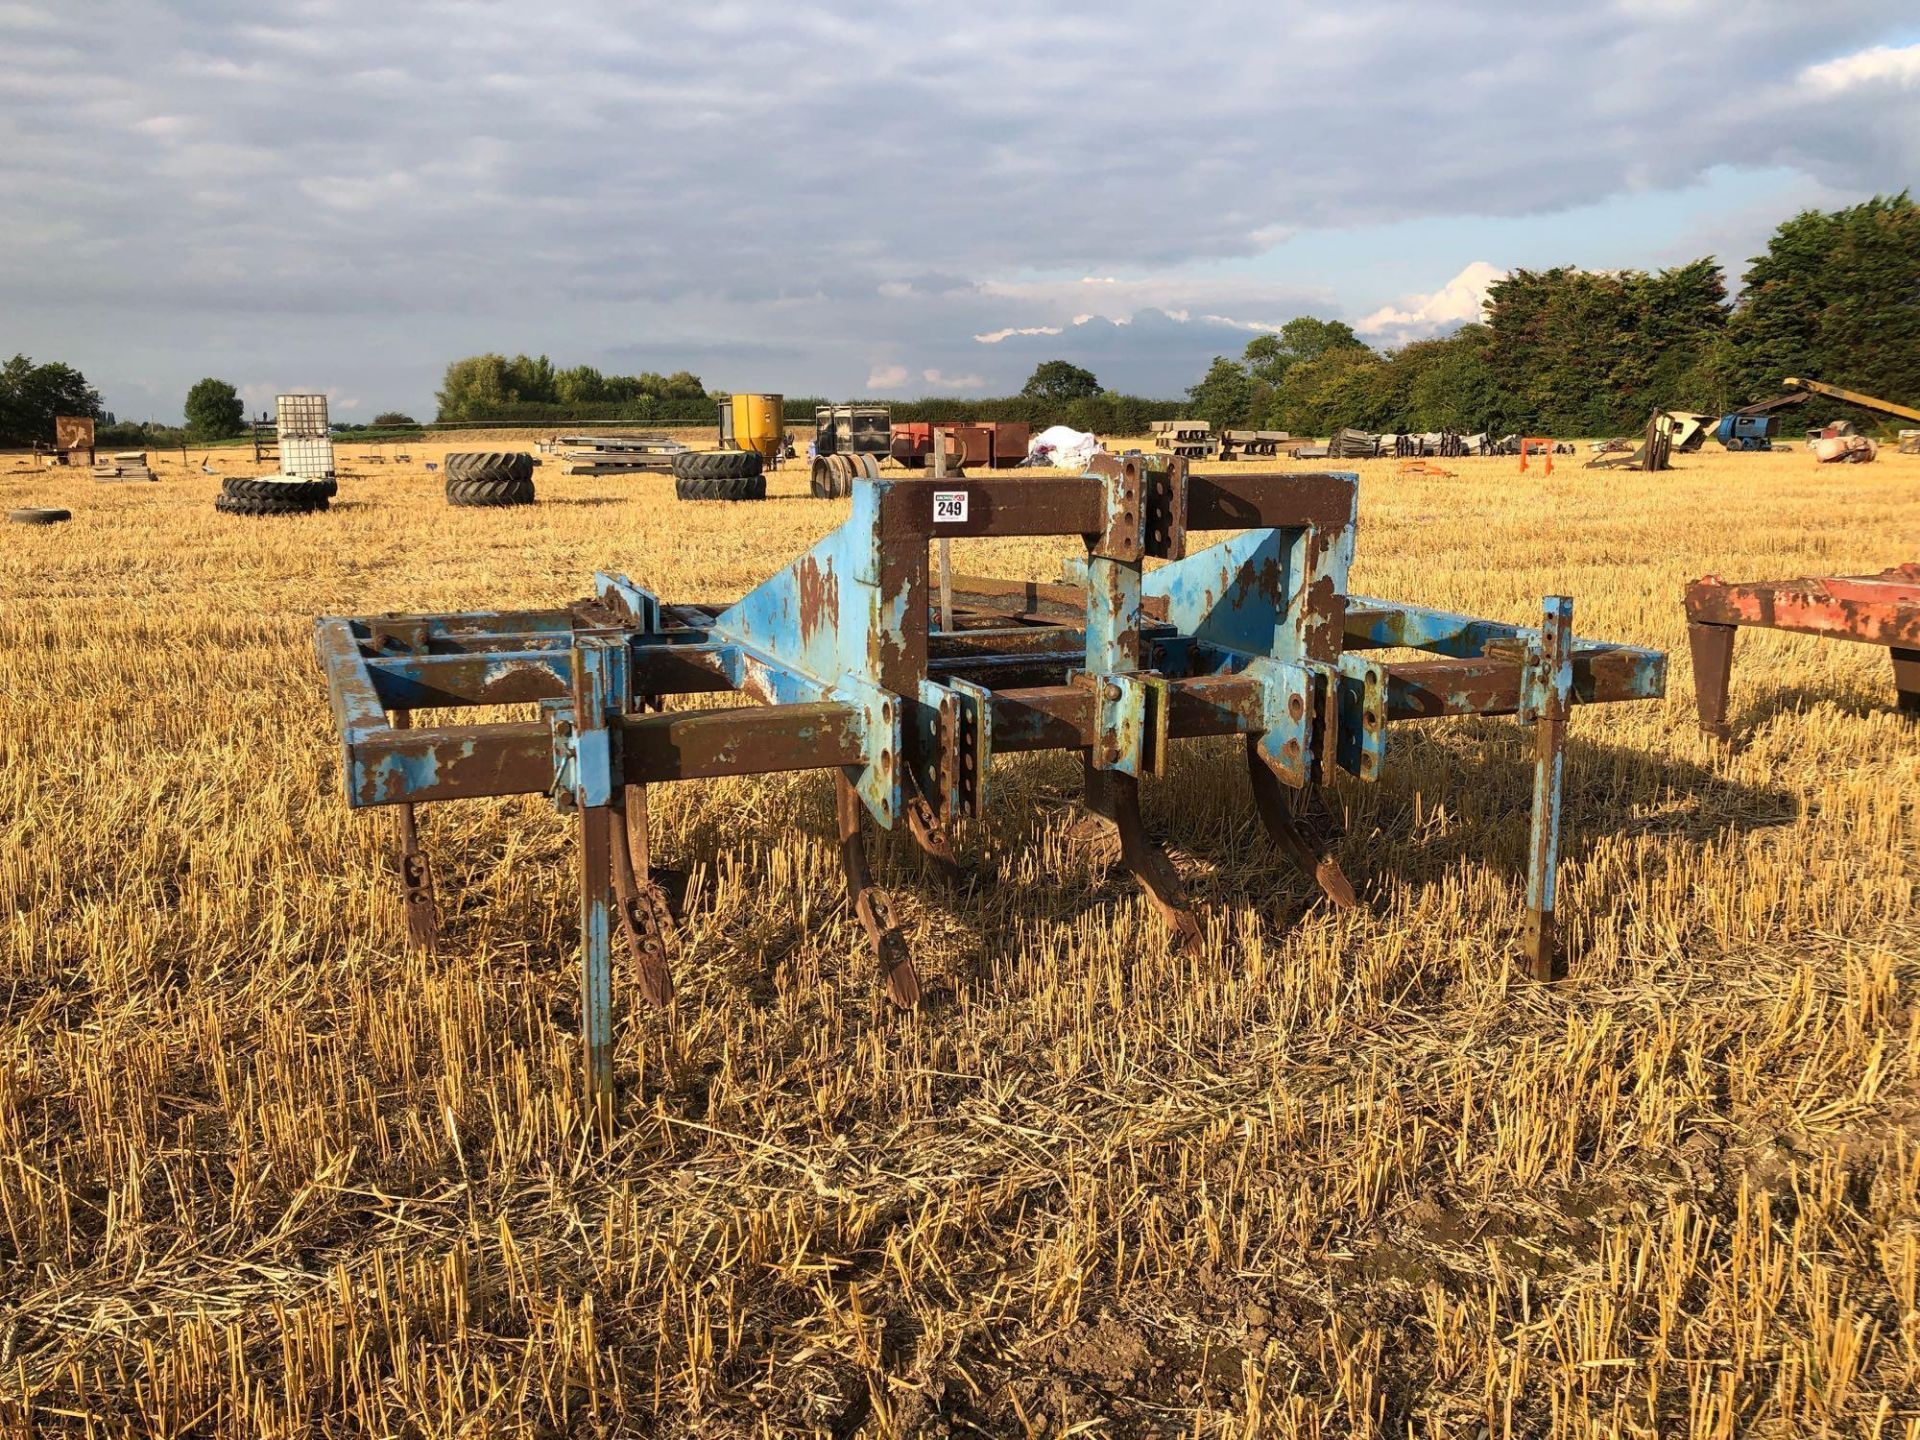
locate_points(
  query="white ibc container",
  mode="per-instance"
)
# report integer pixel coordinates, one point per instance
(302, 416)
(306, 457)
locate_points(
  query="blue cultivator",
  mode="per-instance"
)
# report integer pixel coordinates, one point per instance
(854, 666)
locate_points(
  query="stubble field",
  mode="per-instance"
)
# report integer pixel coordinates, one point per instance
(265, 1172)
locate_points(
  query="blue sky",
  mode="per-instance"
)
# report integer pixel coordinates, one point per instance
(892, 199)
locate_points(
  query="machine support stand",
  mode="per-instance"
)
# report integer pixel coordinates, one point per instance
(1312, 852)
(1906, 679)
(416, 874)
(1548, 697)
(1114, 795)
(1712, 647)
(870, 903)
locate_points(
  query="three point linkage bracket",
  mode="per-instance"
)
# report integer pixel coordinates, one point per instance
(846, 670)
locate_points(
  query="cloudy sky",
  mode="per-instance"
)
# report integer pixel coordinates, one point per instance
(878, 199)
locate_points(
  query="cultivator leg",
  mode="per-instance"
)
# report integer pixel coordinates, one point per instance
(1114, 796)
(416, 874)
(1300, 826)
(869, 901)
(1549, 681)
(596, 958)
(645, 917)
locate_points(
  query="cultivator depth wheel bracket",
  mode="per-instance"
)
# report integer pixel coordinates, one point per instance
(848, 669)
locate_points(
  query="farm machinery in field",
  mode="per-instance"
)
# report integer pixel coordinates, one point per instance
(851, 669)
(1882, 609)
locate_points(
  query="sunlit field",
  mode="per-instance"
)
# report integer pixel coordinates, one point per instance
(263, 1171)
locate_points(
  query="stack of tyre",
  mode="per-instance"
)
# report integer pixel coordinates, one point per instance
(719, 475)
(273, 495)
(489, 477)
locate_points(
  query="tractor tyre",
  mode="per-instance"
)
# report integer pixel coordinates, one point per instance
(488, 465)
(720, 487)
(38, 515)
(247, 505)
(489, 490)
(720, 465)
(277, 487)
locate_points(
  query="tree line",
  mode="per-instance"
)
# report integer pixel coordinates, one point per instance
(492, 387)
(1836, 297)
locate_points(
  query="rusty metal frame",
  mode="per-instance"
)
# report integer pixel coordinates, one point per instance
(1882, 609)
(848, 670)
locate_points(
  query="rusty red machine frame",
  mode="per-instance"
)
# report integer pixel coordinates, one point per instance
(1882, 609)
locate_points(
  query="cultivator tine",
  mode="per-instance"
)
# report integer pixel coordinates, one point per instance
(869, 901)
(935, 840)
(1304, 838)
(416, 873)
(645, 918)
(1114, 795)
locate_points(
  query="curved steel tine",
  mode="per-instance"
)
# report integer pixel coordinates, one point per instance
(935, 840)
(870, 902)
(1296, 840)
(642, 906)
(1115, 795)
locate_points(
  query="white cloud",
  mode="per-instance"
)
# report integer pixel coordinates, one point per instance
(994, 337)
(1878, 65)
(447, 224)
(954, 382)
(886, 377)
(1455, 303)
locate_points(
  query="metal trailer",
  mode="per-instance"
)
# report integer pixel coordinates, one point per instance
(850, 672)
(1881, 609)
(981, 444)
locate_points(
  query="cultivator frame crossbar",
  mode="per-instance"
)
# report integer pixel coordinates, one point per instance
(1253, 636)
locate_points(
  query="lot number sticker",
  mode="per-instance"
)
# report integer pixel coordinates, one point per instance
(949, 507)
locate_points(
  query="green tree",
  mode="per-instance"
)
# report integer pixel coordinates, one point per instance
(1317, 397)
(1582, 352)
(1835, 298)
(215, 410)
(32, 395)
(392, 419)
(1224, 396)
(475, 388)
(1060, 380)
(581, 385)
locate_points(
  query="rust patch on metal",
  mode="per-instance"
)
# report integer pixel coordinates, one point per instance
(819, 595)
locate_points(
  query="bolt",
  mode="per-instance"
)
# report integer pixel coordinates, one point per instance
(1296, 707)
(1112, 691)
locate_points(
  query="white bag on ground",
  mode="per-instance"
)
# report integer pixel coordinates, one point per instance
(1064, 447)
